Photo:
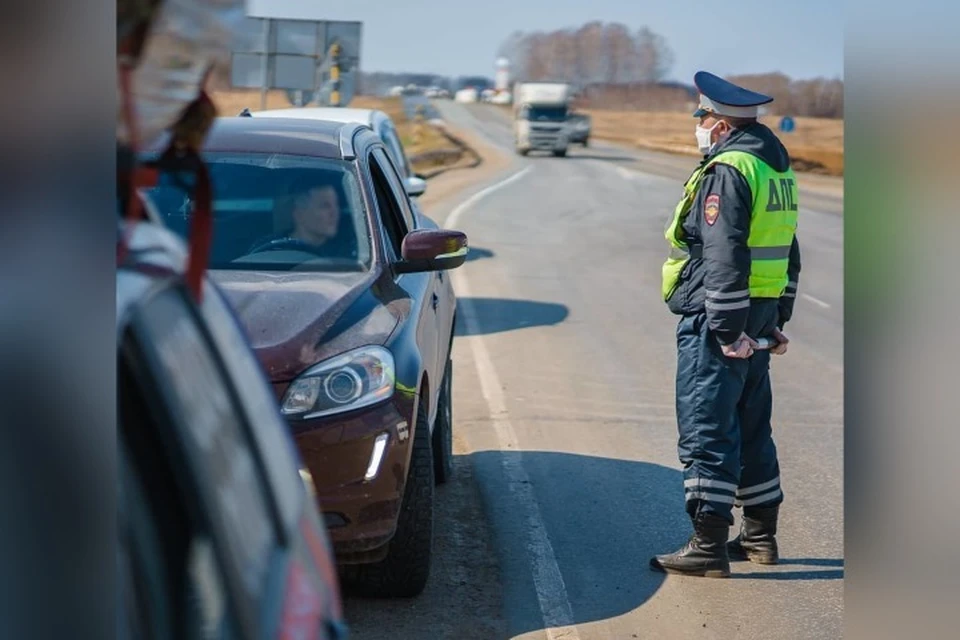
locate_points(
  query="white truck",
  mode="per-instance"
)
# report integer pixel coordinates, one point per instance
(540, 117)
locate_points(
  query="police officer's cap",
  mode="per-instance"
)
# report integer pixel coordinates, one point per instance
(724, 98)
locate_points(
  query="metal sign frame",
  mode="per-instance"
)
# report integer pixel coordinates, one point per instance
(309, 59)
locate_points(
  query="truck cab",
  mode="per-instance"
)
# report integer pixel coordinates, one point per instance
(540, 117)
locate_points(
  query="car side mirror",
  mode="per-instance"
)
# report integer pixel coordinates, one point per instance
(432, 250)
(415, 186)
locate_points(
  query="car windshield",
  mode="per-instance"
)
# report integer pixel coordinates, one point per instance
(275, 212)
(550, 114)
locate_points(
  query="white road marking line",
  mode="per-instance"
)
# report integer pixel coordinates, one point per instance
(454, 216)
(548, 581)
(551, 590)
(815, 300)
(626, 173)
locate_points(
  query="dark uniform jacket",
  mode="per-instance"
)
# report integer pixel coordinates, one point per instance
(716, 277)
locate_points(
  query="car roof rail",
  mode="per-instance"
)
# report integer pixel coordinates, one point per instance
(347, 134)
(245, 113)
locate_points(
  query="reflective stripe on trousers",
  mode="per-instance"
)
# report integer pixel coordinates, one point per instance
(723, 408)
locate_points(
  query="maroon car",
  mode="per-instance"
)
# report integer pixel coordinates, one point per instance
(340, 285)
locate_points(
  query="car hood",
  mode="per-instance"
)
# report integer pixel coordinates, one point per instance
(295, 320)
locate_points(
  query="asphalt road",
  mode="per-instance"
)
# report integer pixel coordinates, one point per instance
(564, 391)
(413, 102)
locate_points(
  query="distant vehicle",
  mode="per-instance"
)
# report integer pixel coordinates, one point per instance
(540, 116)
(578, 127)
(377, 120)
(340, 285)
(219, 533)
(468, 94)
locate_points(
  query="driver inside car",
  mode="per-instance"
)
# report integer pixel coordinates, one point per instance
(312, 215)
(316, 215)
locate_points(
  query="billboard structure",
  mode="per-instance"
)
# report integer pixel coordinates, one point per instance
(312, 60)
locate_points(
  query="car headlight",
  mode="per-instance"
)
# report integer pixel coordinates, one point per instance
(355, 379)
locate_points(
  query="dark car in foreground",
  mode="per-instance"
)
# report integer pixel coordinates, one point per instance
(340, 285)
(219, 536)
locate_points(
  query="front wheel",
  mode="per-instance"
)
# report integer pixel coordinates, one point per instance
(561, 153)
(443, 429)
(405, 570)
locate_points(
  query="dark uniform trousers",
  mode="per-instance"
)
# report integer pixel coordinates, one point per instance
(724, 408)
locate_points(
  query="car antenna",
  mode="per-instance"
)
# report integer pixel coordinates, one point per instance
(245, 113)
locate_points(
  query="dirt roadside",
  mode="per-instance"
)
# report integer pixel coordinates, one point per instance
(462, 600)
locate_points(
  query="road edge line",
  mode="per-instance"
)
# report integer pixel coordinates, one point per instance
(454, 216)
(555, 609)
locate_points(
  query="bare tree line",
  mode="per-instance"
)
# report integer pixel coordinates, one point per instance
(820, 97)
(595, 53)
(616, 68)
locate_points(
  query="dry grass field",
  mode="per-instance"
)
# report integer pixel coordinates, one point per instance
(816, 145)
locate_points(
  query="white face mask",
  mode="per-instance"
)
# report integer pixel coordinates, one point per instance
(703, 138)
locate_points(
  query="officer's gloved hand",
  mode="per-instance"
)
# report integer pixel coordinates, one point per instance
(742, 347)
(781, 348)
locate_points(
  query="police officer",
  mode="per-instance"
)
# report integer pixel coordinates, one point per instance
(732, 278)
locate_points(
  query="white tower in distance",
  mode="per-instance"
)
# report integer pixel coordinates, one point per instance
(502, 76)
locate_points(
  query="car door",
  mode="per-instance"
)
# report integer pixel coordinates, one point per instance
(446, 304)
(208, 506)
(181, 377)
(397, 219)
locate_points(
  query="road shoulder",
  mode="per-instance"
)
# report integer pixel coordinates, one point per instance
(463, 599)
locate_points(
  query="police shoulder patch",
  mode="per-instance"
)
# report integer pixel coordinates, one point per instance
(711, 208)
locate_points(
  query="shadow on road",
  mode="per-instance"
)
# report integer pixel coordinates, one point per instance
(462, 598)
(604, 518)
(478, 253)
(497, 315)
(836, 574)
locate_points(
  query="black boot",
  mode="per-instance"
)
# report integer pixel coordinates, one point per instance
(705, 554)
(757, 541)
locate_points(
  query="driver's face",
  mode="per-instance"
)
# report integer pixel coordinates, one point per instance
(318, 214)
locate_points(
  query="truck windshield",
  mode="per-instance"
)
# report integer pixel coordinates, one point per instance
(547, 114)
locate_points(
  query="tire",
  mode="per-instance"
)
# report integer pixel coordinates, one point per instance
(443, 429)
(560, 154)
(523, 152)
(586, 143)
(405, 570)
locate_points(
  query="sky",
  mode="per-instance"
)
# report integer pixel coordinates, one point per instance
(803, 39)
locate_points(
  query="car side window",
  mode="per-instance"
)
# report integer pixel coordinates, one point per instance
(396, 185)
(392, 140)
(387, 204)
